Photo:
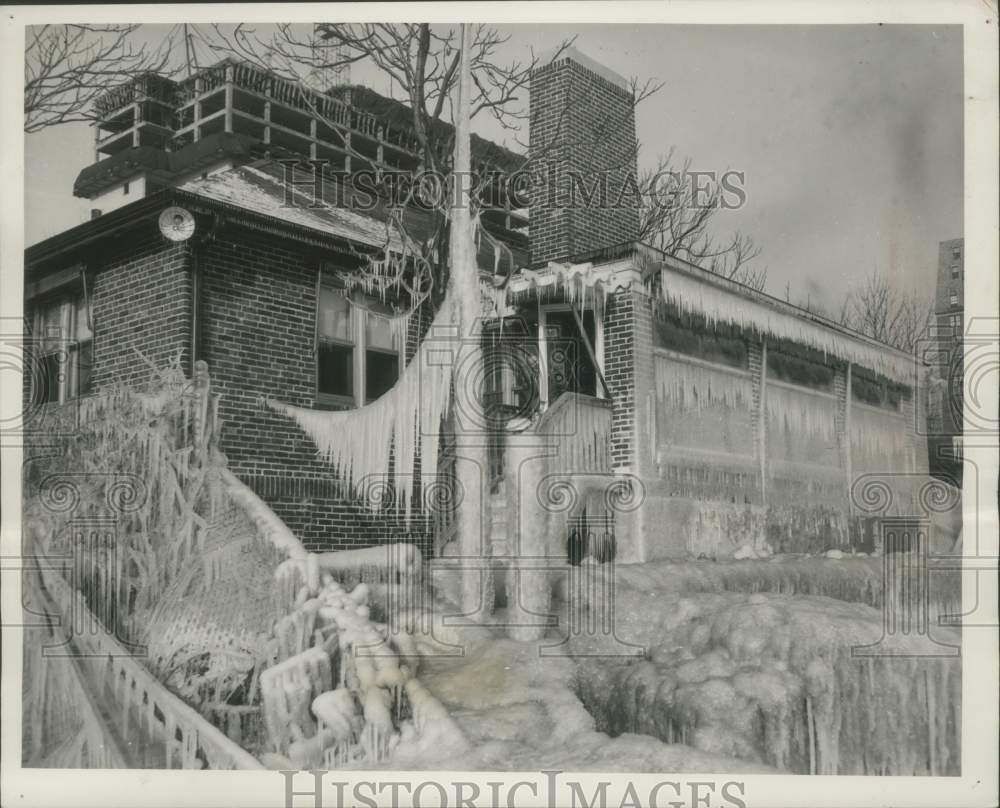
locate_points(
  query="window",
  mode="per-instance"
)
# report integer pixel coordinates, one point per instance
(381, 357)
(953, 298)
(125, 189)
(692, 336)
(357, 352)
(798, 369)
(869, 388)
(335, 360)
(955, 321)
(66, 342)
(956, 252)
(955, 271)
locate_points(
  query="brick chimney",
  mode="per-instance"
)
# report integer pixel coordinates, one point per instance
(582, 135)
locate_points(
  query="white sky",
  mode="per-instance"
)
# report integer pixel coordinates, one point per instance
(850, 137)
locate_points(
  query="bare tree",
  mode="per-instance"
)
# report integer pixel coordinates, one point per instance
(67, 66)
(447, 76)
(422, 62)
(877, 310)
(676, 217)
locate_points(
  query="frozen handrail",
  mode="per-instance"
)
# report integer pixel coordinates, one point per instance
(166, 719)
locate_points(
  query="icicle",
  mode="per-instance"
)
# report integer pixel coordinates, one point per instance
(359, 443)
(721, 305)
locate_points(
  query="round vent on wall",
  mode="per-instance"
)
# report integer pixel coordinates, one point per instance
(177, 224)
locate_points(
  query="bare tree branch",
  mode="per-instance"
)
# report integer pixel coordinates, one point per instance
(67, 66)
(676, 216)
(877, 310)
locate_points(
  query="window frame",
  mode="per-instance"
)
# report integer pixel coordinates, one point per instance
(359, 346)
(70, 303)
(543, 362)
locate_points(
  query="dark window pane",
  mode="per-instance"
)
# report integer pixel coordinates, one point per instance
(798, 370)
(53, 368)
(381, 372)
(335, 371)
(570, 368)
(688, 335)
(85, 360)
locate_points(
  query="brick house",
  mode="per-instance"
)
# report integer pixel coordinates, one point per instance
(945, 405)
(729, 415)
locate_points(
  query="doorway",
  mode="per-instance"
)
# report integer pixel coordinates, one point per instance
(566, 364)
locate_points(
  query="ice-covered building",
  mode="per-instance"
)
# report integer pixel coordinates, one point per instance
(715, 415)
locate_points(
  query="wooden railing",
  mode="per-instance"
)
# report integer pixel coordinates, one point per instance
(64, 724)
(252, 79)
(158, 729)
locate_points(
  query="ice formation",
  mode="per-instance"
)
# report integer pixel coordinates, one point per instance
(749, 310)
(880, 440)
(771, 678)
(343, 693)
(801, 425)
(364, 444)
(702, 407)
(580, 284)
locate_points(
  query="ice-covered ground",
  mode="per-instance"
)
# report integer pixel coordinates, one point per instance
(771, 676)
(746, 666)
(518, 711)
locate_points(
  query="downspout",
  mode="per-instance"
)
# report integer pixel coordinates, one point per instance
(195, 304)
(197, 282)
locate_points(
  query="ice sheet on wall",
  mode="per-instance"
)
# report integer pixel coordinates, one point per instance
(702, 408)
(801, 426)
(880, 440)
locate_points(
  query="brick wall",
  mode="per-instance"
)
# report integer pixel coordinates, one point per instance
(140, 301)
(258, 334)
(580, 123)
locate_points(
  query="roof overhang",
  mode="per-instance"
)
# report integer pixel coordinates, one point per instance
(712, 296)
(72, 243)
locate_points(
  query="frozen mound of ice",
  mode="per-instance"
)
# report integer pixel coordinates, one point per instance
(771, 678)
(857, 579)
(519, 711)
(343, 693)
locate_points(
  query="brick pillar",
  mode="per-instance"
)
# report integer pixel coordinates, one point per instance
(916, 431)
(643, 371)
(842, 422)
(619, 372)
(757, 363)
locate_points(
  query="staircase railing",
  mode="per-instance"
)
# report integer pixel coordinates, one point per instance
(158, 728)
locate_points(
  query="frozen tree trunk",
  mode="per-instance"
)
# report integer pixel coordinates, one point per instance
(529, 591)
(470, 444)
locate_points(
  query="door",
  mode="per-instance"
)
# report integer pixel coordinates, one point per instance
(567, 363)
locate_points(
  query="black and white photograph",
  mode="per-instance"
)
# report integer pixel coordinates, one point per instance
(574, 410)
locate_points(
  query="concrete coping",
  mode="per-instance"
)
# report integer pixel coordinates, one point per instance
(585, 61)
